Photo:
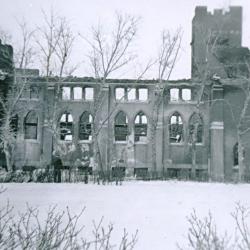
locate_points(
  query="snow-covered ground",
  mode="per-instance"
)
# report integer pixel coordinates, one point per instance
(157, 209)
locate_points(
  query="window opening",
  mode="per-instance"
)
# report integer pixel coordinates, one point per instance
(34, 92)
(30, 125)
(131, 94)
(174, 95)
(120, 94)
(141, 127)
(195, 129)
(85, 126)
(121, 127)
(186, 94)
(66, 93)
(66, 127)
(89, 94)
(143, 94)
(77, 93)
(176, 128)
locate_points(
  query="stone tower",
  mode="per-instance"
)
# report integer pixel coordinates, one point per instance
(220, 30)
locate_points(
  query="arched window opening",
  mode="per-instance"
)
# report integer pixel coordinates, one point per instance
(30, 125)
(236, 154)
(175, 128)
(85, 126)
(195, 129)
(14, 125)
(141, 127)
(121, 127)
(66, 127)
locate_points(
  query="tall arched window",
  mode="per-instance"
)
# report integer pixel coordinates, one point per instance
(196, 129)
(14, 124)
(175, 128)
(30, 125)
(236, 154)
(85, 126)
(141, 127)
(121, 127)
(66, 127)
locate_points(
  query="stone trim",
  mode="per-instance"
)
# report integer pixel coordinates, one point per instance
(217, 125)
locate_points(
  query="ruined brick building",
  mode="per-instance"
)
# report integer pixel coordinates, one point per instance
(198, 125)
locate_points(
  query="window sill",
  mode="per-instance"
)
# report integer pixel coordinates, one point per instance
(236, 167)
(66, 142)
(85, 141)
(132, 101)
(183, 102)
(141, 142)
(197, 144)
(177, 143)
(121, 142)
(80, 100)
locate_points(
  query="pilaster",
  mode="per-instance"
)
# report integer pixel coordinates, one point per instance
(217, 134)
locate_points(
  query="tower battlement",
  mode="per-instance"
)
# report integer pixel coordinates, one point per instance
(234, 11)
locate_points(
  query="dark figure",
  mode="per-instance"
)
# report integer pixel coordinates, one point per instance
(57, 163)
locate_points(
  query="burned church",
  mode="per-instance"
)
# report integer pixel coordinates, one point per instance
(202, 124)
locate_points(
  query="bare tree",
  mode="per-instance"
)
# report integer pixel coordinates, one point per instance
(203, 234)
(7, 235)
(58, 230)
(168, 52)
(10, 102)
(241, 219)
(55, 40)
(65, 45)
(113, 51)
(5, 36)
(8, 127)
(47, 39)
(108, 54)
(25, 53)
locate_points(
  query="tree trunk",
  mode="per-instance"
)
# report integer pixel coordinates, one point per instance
(194, 153)
(193, 170)
(97, 128)
(97, 153)
(241, 162)
(154, 149)
(156, 108)
(8, 158)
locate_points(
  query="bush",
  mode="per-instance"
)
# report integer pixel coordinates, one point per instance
(203, 234)
(59, 230)
(14, 176)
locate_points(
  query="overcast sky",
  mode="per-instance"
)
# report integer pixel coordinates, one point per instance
(155, 16)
